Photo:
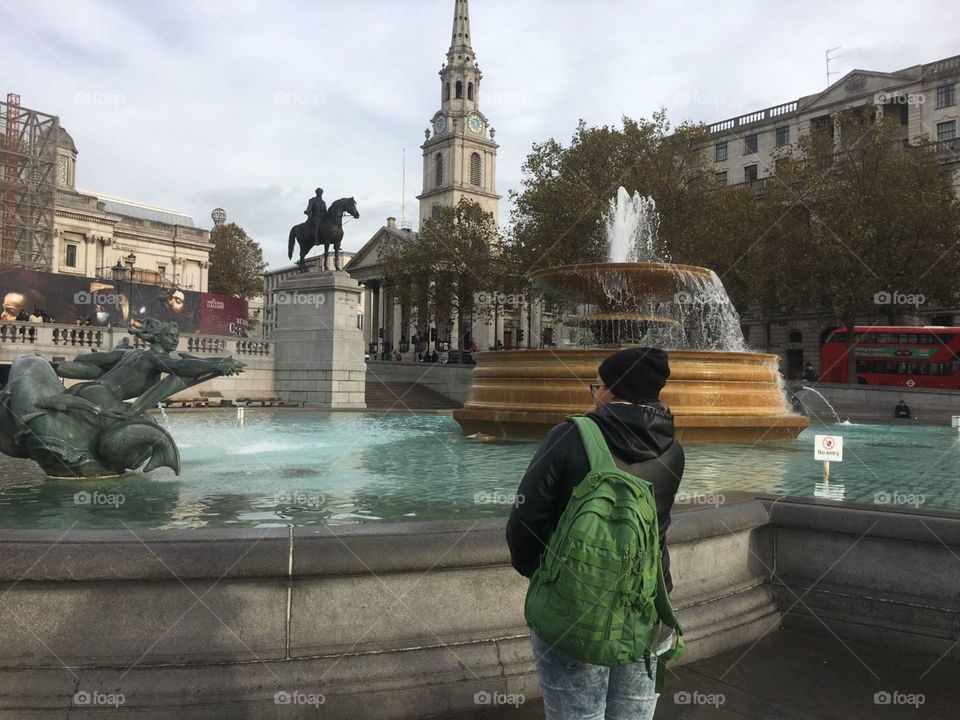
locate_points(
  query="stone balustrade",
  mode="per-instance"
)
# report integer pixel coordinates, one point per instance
(41, 336)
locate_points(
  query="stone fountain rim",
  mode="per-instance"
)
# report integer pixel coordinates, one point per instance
(691, 354)
(630, 267)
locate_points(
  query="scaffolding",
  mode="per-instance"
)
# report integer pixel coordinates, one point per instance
(28, 167)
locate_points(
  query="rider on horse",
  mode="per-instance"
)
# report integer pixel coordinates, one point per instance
(316, 211)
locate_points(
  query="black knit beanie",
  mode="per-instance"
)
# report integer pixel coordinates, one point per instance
(636, 374)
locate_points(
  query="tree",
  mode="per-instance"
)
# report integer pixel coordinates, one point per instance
(857, 224)
(236, 262)
(447, 268)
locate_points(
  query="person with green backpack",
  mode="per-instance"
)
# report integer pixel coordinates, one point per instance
(589, 529)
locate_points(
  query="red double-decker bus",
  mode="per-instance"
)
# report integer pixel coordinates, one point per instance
(923, 357)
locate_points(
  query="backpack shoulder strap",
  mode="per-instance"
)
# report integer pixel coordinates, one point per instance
(593, 442)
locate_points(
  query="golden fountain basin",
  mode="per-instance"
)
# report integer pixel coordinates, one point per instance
(714, 396)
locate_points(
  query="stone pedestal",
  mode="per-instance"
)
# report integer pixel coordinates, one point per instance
(318, 347)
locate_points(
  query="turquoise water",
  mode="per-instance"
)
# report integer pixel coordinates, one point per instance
(308, 468)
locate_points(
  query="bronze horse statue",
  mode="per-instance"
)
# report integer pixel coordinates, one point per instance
(329, 233)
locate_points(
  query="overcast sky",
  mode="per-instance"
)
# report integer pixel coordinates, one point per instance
(250, 105)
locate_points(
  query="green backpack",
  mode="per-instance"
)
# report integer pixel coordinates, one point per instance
(599, 594)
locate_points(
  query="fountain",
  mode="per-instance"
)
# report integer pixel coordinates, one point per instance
(718, 390)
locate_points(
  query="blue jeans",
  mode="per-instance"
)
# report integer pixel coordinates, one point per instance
(573, 690)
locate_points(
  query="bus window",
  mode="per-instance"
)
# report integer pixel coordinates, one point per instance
(871, 338)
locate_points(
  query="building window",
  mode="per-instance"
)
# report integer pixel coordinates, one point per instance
(946, 96)
(446, 91)
(750, 144)
(434, 211)
(750, 174)
(722, 178)
(162, 270)
(470, 91)
(720, 151)
(438, 170)
(476, 174)
(70, 259)
(783, 136)
(459, 90)
(947, 133)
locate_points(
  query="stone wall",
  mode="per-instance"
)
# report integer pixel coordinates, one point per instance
(865, 402)
(451, 381)
(405, 621)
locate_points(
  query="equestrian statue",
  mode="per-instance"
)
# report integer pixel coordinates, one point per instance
(323, 227)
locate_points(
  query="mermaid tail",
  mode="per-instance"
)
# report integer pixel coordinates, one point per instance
(130, 443)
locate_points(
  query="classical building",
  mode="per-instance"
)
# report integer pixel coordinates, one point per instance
(93, 232)
(459, 161)
(48, 225)
(923, 98)
(744, 149)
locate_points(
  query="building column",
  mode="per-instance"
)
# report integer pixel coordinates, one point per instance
(375, 292)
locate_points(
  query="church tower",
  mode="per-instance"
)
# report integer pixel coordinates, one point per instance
(459, 155)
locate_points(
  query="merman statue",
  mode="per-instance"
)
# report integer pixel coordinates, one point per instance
(100, 427)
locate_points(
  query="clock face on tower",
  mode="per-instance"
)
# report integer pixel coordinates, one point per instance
(440, 124)
(476, 124)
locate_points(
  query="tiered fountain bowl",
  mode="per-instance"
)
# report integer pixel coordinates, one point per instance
(715, 396)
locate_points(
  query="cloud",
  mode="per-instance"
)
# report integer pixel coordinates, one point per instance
(249, 105)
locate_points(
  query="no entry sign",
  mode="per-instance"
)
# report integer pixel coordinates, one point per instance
(828, 448)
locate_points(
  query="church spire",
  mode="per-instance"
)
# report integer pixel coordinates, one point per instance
(460, 41)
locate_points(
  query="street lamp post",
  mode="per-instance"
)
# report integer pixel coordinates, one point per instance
(131, 263)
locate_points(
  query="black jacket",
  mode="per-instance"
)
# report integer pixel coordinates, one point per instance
(640, 437)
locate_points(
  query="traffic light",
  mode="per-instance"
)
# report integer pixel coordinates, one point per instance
(433, 334)
(520, 335)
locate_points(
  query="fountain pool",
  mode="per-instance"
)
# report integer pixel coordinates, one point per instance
(312, 468)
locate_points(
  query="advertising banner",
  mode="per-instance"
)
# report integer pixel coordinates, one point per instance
(75, 300)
